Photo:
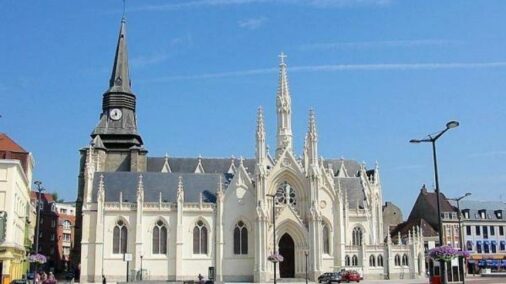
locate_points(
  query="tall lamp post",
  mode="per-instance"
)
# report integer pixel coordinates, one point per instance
(40, 189)
(306, 253)
(273, 196)
(432, 138)
(460, 224)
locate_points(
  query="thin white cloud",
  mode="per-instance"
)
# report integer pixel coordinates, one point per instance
(161, 55)
(378, 44)
(252, 24)
(487, 154)
(338, 68)
(220, 3)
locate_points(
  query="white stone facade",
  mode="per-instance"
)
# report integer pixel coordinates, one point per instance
(179, 216)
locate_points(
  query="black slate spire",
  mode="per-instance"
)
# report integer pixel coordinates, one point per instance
(120, 78)
(117, 127)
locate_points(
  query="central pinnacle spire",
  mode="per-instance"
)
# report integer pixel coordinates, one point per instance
(120, 78)
(284, 110)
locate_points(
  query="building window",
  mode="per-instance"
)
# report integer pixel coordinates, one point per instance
(501, 230)
(405, 260)
(498, 214)
(478, 232)
(51, 251)
(372, 261)
(66, 225)
(326, 239)
(483, 214)
(347, 260)
(160, 238)
(66, 251)
(356, 238)
(494, 247)
(397, 260)
(469, 245)
(485, 232)
(486, 247)
(502, 245)
(53, 223)
(478, 247)
(492, 230)
(240, 238)
(52, 236)
(66, 237)
(286, 195)
(468, 230)
(120, 238)
(380, 260)
(200, 238)
(354, 260)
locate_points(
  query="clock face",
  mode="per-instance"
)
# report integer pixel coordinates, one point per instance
(115, 114)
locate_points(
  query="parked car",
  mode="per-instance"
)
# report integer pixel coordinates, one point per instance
(330, 277)
(351, 275)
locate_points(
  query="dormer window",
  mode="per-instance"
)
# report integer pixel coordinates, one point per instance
(465, 213)
(483, 214)
(498, 214)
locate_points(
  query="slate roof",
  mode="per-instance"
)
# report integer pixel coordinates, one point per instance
(195, 183)
(154, 183)
(188, 165)
(353, 189)
(352, 167)
(404, 227)
(474, 206)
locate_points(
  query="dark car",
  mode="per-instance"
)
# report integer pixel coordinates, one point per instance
(330, 277)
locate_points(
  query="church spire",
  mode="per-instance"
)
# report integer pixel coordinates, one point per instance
(312, 140)
(260, 137)
(284, 110)
(120, 78)
(118, 122)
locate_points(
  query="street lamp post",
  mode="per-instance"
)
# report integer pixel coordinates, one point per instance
(273, 196)
(432, 138)
(40, 189)
(460, 225)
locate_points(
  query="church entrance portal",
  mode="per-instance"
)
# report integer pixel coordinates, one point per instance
(287, 250)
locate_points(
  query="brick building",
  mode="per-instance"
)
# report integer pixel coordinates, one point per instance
(56, 231)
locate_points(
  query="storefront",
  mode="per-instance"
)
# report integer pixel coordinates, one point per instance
(478, 262)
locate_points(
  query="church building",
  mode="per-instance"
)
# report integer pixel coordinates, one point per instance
(174, 218)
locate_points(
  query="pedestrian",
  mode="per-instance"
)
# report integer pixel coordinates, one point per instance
(37, 278)
(51, 279)
(104, 281)
(200, 279)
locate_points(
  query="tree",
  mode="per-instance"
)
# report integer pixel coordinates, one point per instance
(55, 197)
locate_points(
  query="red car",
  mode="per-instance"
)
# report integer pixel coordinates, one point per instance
(351, 275)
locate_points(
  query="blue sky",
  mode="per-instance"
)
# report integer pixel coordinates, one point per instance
(377, 72)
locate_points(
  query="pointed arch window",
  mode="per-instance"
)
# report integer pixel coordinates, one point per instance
(405, 260)
(200, 238)
(120, 238)
(372, 261)
(285, 194)
(240, 238)
(354, 260)
(160, 238)
(347, 260)
(397, 260)
(326, 239)
(380, 260)
(356, 238)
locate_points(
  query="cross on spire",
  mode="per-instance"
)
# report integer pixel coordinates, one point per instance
(282, 57)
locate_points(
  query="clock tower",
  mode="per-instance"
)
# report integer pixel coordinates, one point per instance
(117, 128)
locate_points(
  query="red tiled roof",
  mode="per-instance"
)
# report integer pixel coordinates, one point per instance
(7, 144)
